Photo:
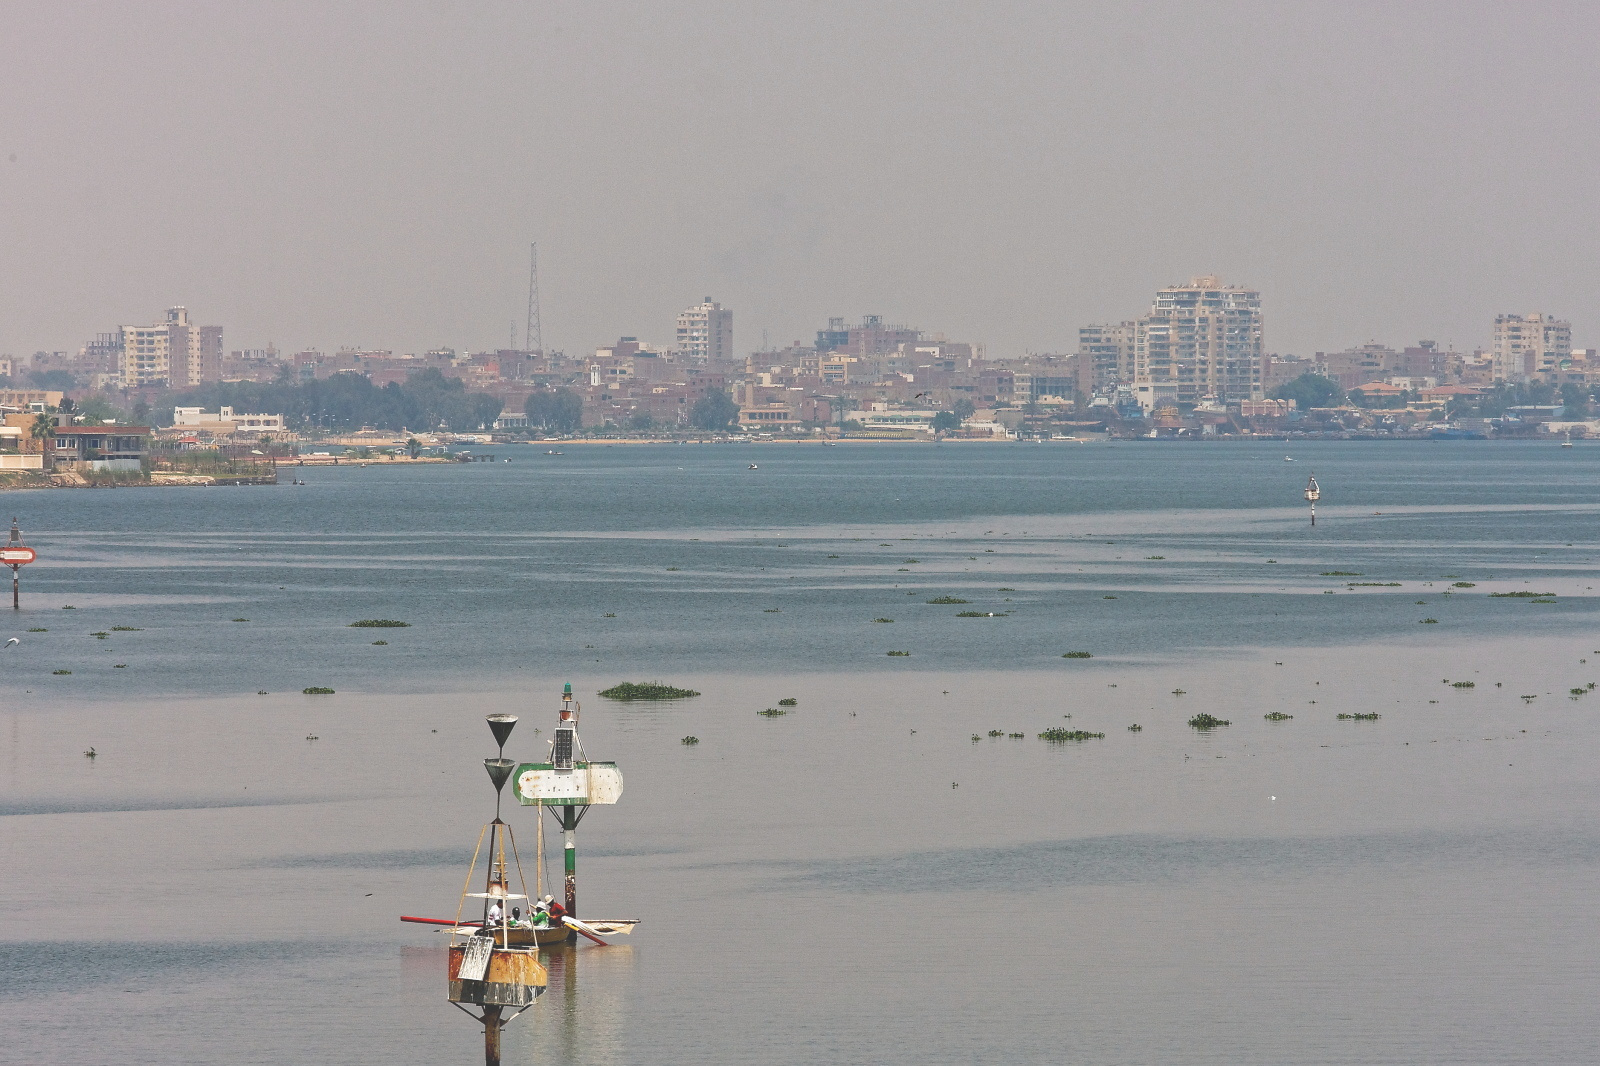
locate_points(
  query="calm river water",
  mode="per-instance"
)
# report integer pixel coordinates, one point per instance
(871, 878)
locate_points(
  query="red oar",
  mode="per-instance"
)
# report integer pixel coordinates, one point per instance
(434, 921)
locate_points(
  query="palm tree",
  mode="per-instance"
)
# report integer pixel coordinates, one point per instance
(44, 427)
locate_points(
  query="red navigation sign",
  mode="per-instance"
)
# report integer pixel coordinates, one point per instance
(17, 556)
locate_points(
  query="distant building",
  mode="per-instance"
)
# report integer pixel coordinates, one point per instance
(1200, 339)
(1106, 355)
(225, 420)
(1527, 345)
(174, 352)
(705, 333)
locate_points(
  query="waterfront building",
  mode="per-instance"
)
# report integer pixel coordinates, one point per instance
(1528, 345)
(705, 333)
(1200, 339)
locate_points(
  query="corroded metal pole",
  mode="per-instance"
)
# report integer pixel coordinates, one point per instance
(491, 1036)
(16, 596)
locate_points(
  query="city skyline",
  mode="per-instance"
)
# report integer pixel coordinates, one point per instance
(317, 176)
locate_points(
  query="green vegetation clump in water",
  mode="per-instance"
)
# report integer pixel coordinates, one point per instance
(978, 614)
(1373, 584)
(1429, 622)
(375, 623)
(1464, 585)
(690, 740)
(1076, 655)
(1152, 557)
(1277, 716)
(1108, 597)
(126, 629)
(379, 643)
(772, 610)
(646, 690)
(997, 732)
(948, 599)
(1136, 728)
(1542, 601)
(789, 702)
(1520, 595)
(100, 636)
(1373, 717)
(241, 619)
(1341, 573)
(1005, 589)
(60, 672)
(883, 619)
(317, 690)
(1057, 735)
(1206, 721)
(38, 629)
(1578, 691)
(897, 653)
(1463, 684)
(68, 607)
(771, 712)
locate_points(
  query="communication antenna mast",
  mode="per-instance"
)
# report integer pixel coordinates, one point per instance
(533, 336)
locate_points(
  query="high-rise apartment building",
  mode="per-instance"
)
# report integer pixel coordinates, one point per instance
(1527, 345)
(705, 333)
(1201, 339)
(173, 352)
(1105, 356)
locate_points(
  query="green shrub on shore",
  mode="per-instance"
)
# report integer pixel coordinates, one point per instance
(646, 690)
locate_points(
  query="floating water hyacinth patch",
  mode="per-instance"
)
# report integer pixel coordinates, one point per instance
(59, 673)
(1521, 595)
(948, 600)
(997, 732)
(1464, 585)
(771, 712)
(370, 623)
(126, 629)
(899, 653)
(1057, 735)
(379, 643)
(317, 690)
(1136, 728)
(790, 702)
(1463, 684)
(1207, 721)
(883, 619)
(646, 690)
(1341, 573)
(1277, 716)
(1076, 655)
(690, 740)
(100, 636)
(1429, 622)
(1373, 717)
(38, 629)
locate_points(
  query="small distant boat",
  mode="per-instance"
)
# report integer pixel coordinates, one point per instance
(1566, 444)
(552, 451)
(1287, 459)
(754, 467)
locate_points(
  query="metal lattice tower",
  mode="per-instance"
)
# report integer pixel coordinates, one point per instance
(533, 336)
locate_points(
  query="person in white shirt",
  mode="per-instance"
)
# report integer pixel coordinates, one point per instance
(495, 913)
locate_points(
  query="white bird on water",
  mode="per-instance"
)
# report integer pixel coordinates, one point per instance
(12, 641)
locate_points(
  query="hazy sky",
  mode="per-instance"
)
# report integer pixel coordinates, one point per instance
(370, 174)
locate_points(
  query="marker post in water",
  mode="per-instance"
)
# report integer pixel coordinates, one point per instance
(16, 555)
(1313, 494)
(568, 784)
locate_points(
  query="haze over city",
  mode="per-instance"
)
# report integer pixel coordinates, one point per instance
(318, 176)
